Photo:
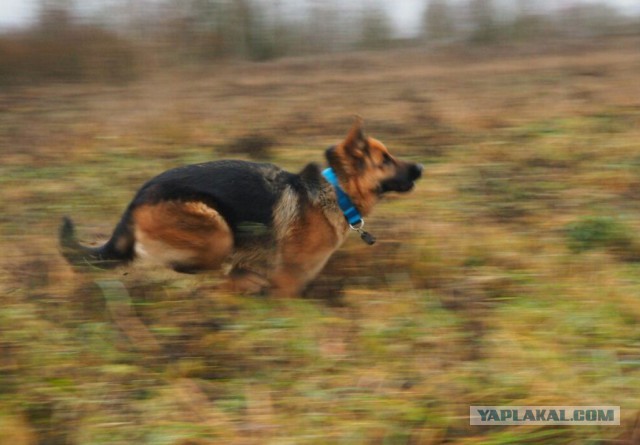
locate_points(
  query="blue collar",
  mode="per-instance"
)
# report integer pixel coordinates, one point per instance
(349, 210)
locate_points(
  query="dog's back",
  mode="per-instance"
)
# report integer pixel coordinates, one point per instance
(244, 193)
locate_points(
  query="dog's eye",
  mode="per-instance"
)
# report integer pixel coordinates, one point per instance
(387, 160)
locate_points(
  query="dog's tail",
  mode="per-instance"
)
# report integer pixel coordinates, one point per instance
(115, 252)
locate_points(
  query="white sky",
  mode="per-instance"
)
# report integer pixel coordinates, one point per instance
(15, 11)
(405, 13)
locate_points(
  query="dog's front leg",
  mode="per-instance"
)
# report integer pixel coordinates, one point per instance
(291, 277)
(286, 284)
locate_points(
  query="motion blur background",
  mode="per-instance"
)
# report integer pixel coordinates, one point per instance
(510, 276)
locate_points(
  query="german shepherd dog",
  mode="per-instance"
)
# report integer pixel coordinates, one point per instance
(270, 229)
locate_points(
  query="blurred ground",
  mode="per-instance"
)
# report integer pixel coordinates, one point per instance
(509, 277)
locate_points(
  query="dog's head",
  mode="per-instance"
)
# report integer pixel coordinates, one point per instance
(367, 169)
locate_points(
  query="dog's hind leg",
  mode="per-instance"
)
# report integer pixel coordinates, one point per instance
(246, 282)
(186, 236)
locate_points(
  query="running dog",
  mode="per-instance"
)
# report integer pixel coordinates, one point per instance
(270, 229)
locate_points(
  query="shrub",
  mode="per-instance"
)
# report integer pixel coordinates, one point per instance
(594, 232)
(255, 146)
(81, 53)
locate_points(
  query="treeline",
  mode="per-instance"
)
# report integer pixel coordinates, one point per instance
(481, 21)
(71, 42)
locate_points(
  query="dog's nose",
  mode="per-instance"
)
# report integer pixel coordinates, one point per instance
(416, 171)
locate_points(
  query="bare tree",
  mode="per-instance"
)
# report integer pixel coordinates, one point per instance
(376, 29)
(438, 21)
(483, 21)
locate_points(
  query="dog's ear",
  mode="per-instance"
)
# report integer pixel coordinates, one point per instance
(355, 142)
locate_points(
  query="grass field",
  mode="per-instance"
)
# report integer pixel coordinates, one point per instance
(510, 276)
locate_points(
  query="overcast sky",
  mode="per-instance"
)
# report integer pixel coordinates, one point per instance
(406, 14)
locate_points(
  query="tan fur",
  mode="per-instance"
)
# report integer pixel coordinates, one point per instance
(285, 213)
(182, 234)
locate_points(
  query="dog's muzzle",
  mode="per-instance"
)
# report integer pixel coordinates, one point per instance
(415, 171)
(404, 181)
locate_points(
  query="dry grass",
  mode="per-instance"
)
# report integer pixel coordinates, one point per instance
(472, 296)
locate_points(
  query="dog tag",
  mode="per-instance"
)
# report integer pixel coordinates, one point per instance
(367, 238)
